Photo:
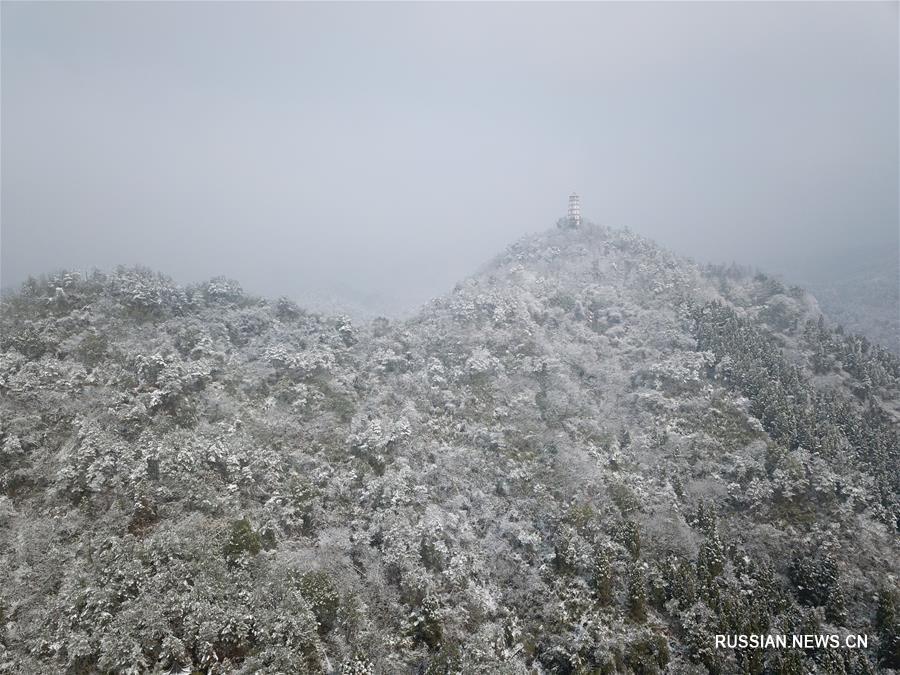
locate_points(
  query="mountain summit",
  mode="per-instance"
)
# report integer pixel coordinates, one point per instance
(593, 456)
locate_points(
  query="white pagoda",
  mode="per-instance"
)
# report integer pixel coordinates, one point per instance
(574, 213)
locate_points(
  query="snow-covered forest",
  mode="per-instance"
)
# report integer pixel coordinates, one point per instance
(590, 457)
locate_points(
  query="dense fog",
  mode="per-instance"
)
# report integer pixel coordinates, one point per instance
(373, 155)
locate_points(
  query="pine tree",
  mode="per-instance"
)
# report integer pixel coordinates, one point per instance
(887, 622)
(637, 593)
(603, 577)
(629, 535)
(707, 517)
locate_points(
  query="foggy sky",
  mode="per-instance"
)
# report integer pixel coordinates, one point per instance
(385, 151)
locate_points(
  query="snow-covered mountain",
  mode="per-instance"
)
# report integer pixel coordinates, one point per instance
(865, 299)
(590, 457)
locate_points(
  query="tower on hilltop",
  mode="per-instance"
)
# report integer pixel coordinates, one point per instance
(574, 213)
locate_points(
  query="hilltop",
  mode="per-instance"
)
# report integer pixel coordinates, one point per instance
(590, 456)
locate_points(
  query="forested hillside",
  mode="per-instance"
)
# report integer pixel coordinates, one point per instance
(590, 457)
(865, 300)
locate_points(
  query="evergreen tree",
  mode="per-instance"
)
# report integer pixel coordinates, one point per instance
(603, 577)
(637, 593)
(887, 623)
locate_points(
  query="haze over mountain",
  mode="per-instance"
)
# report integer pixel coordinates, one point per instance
(861, 295)
(591, 456)
(371, 155)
